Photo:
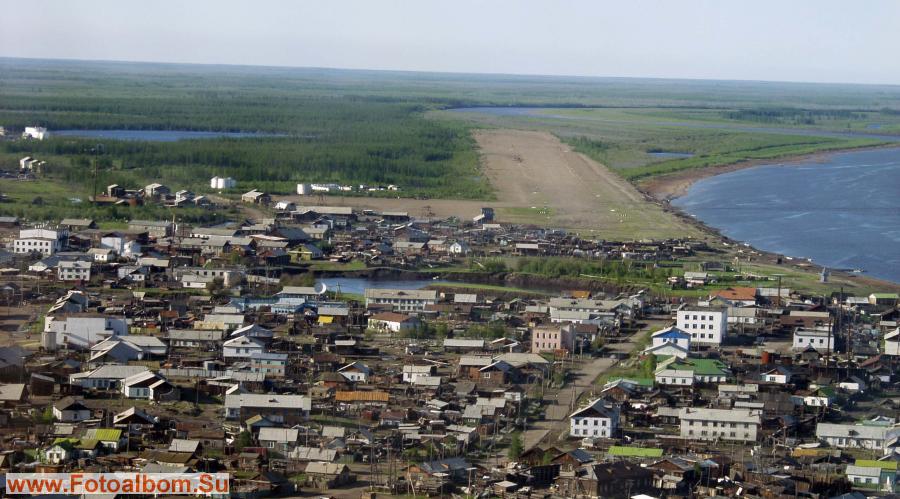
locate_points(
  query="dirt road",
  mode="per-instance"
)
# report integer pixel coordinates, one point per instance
(556, 423)
(539, 180)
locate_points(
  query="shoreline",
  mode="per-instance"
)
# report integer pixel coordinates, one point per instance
(665, 188)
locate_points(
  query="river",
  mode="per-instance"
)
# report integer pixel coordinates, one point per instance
(841, 210)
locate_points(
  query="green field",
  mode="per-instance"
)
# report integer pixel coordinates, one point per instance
(625, 139)
(382, 127)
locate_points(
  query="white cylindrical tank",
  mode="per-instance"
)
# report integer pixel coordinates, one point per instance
(304, 189)
(48, 341)
(215, 182)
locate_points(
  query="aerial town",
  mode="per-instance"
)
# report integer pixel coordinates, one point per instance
(165, 347)
(522, 249)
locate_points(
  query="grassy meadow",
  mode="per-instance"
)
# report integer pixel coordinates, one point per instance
(384, 127)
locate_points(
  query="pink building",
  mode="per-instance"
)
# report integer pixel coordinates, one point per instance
(552, 339)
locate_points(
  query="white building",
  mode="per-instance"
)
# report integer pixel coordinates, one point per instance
(872, 477)
(222, 183)
(707, 326)
(146, 385)
(859, 436)
(892, 342)
(403, 300)
(580, 310)
(459, 248)
(36, 132)
(279, 408)
(242, 347)
(81, 331)
(102, 255)
(356, 372)
(392, 322)
(599, 419)
(719, 424)
(412, 373)
(674, 377)
(73, 270)
(105, 377)
(819, 338)
(43, 241)
(672, 335)
(780, 375)
(667, 350)
(70, 410)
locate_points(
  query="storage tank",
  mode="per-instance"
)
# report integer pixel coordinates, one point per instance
(48, 341)
(304, 189)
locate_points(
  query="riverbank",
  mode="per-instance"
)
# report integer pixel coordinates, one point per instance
(665, 188)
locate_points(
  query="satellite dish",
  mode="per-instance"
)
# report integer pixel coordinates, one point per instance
(320, 288)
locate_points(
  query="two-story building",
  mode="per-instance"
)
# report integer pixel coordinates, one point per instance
(552, 339)
(820, 338)
(600, 419)
(719, 424)
(402, 300)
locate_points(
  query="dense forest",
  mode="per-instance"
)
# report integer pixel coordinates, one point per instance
(353, 127)
(318, 137)
(792, 116)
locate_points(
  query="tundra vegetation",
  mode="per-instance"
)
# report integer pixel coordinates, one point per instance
(369, 127)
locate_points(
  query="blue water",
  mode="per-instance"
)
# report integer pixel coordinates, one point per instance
(154, 135)
(842, 211)
(671, 155)
(358, 285)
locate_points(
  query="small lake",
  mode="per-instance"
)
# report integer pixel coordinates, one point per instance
(155, 135)
(671, 155)
(842, 210)
(358, 285)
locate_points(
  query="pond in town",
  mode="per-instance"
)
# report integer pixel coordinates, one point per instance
(358, 285)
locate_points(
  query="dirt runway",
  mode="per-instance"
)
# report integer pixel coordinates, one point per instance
(539, 180)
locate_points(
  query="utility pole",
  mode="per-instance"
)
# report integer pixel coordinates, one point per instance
(778, 294)
(97, 150)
